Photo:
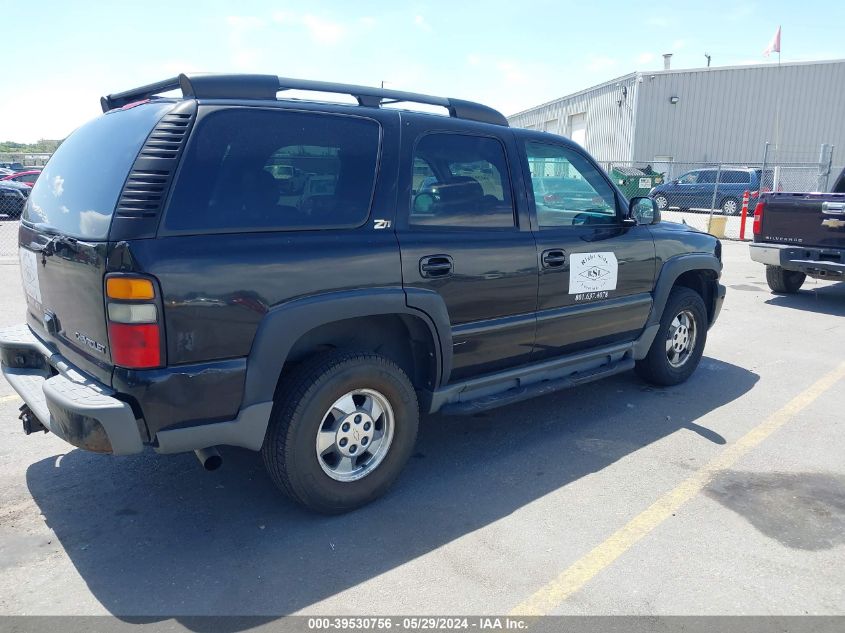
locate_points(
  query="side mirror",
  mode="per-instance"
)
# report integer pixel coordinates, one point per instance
(423, 203)
(643, 210)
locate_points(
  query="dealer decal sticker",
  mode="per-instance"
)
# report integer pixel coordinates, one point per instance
(592, 273)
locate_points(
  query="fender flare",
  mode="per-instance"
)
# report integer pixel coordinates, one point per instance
(668, 275)
(286, 323)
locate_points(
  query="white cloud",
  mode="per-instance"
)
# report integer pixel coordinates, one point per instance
(678, 45)
(740, 12)
(244, 22)
(173, 67)
(31, 113)
(597, 63)
(323, 31)
(420, 21)
(511, 72)
(58, 186)
(473, 59)
(658, 21)
(645, 58)
(241, 33)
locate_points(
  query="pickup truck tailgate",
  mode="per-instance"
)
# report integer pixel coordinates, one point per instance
(804, 219)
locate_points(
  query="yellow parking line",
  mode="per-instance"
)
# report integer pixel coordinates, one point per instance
(14, 397)
(583, 570)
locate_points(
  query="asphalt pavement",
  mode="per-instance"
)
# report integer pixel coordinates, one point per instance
(725, 495)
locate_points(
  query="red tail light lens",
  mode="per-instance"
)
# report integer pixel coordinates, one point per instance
(135, 331)
(135, 346)
(758, 217)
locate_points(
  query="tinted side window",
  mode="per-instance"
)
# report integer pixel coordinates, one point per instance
(461, 181)
(568, 189)
(250, 169)
(735, 177)
(690, 178)
(707, 177)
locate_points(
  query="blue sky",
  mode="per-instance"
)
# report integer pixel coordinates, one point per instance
(64, 55)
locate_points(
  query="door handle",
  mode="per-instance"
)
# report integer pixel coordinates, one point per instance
(553, 258)
(433, 266)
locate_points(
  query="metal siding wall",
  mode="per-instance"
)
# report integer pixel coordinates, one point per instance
(609, 126)
(728, 114)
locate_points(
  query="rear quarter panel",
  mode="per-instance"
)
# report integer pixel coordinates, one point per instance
(217, 288)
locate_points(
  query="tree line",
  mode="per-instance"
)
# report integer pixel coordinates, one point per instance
(43, 146)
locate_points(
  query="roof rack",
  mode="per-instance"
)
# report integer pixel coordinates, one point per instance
(211, 86)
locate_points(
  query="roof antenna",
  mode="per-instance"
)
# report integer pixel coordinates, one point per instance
(707, 55)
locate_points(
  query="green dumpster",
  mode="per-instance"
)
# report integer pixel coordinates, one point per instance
(636, 182)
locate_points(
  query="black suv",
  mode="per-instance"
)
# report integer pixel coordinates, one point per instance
(305, 278)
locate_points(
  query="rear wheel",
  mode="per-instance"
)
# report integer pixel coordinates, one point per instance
(730, 206)
(784, 281)
(343, 426)
(679, 343)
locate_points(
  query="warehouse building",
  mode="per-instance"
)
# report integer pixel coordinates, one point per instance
(704, 114)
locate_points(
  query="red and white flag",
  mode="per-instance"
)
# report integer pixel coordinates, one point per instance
(774, 45)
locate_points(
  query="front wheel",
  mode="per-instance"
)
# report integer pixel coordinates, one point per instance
(679, 343)
(783, 281)
(343, 426)
(662, 202)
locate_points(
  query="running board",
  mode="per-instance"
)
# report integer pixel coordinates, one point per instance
(522, 383)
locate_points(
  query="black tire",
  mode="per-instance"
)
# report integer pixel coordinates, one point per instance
(304, 397)
(783, 281)
(656, 368)
(730, 206)
(662, 202)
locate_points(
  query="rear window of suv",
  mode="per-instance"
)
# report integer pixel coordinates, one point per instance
(77, 192)
(248, 169)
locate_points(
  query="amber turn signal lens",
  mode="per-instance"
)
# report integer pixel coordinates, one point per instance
(129, 288)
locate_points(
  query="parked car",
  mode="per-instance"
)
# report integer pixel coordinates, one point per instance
(561, 192)
(215, 313)
(27, 177)
(800, 235)
(14, 166)
(694, 190)
(13, 196)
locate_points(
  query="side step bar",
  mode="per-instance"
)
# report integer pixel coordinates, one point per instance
(532, 391)
(531, 381)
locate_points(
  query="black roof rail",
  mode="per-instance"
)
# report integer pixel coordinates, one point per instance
(211, 86)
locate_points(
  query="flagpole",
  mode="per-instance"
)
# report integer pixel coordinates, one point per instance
(780, 92)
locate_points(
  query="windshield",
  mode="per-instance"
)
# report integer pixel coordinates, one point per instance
(78, 190)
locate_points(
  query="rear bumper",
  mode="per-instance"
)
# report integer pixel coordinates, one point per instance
(816, 262)
(67, 402)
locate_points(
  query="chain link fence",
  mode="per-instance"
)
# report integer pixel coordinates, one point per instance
(13, 194)
(715, 196)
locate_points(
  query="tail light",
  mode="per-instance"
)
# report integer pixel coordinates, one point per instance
(758, 217)
(134, 322)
